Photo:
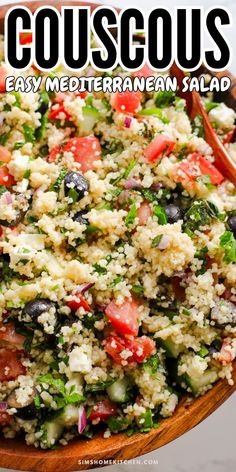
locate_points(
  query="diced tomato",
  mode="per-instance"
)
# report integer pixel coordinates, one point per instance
(114, 345)
(144, 211)
(145, 72)
(25, 38)
(230, 136)
(54, 153)
(82, 94)
(197, 166)
(3, 76)
(85, 150)
(160, 146)
(103, 410)
(5, 155)
(140, 348)
(78, 302)
(177, 288)
(8, 335)
(126, 102)
(124, 317)
(6, 178)
(58, 112)
(226, 353)
(227, 294)
(10, 365)
(5, 419)
(60, 97)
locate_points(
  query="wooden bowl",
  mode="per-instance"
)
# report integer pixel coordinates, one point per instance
(78, 454)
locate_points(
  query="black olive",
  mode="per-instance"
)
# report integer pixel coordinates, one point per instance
(232, 223)
(80, 218)
(173, 213)
(75, 186)
(36, 307)
(27, 412)
(14, 222)
(212, 350)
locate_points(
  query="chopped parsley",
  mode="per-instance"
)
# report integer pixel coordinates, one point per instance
(164, 98)
(156, 240)
(203, 352)
(138, 290)
(63, 396)
(199, 214)
(99, 387)
(132, 215)
(56, 186)
(160, 213)
(29, 133)
(228, 243)
(210, 106)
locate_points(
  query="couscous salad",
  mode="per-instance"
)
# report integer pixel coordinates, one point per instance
(117, 259)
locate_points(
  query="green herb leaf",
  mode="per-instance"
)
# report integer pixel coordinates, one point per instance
(29, 133)
(117, 423)
(199, 214)
(156, 240)
(18, 145)
(155, 112)
(48, 379)
(99, 269)
(138, 290)
(132, 214)
(160, 213)
(164, 98)
(151, 365)
(56, 186)
(149, 195)
(3, 189)
(3, 138)
(228, 243)
(99, 387)
(210, 105)
(203, 351)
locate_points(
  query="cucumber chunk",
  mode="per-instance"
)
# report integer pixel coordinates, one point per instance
(52, 432)
(117, 392)
(198, 383)
(172, 349)
(70, 416)
(90, 118)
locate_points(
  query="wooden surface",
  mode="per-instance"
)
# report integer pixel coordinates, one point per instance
(16, 455)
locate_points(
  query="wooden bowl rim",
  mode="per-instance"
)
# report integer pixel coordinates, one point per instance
(189, 413)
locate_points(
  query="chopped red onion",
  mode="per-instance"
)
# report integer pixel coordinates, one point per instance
(181, 274)
(41, 189)
(132, 183)
(3, 407)
(8, 198)
(90, 72)
(123, 197)
(157, 186)
(82, 421)
(84, 287)
(164, 242)
(127, 122)
(101, 307)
